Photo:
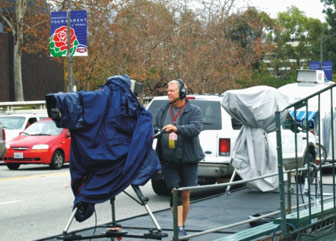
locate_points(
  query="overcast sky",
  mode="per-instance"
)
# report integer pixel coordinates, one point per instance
(312, 8)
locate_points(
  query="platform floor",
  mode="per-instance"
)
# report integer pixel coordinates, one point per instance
(204, 214)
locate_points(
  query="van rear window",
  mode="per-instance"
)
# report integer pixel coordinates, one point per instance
(211, 112)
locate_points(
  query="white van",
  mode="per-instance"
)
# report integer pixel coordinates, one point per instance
(14, 123)
(308, 83)
(218, 138)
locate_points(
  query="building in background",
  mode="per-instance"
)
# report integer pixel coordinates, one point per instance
(41, 74)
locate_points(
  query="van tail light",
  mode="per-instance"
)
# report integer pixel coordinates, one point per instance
(224, 147)
(3, 134)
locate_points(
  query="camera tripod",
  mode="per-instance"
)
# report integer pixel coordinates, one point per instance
(115, 231)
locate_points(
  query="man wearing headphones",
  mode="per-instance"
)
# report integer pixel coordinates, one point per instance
(179, 147)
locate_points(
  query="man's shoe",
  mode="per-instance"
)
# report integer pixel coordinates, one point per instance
(181, 231)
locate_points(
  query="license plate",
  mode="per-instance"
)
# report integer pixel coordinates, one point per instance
(18, 155)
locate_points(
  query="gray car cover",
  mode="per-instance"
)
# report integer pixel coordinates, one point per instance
(253, 155)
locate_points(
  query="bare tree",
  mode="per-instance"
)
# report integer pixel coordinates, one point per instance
(23, 20)
(15, 24)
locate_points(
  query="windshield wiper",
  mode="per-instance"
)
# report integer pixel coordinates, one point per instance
(40, 134)
(6, 127)
(25, 133)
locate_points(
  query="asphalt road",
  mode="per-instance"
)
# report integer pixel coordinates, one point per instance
(36, 203)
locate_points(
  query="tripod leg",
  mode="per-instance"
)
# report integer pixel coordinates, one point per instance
(113, 211)
(70, 221)
(144, 201)
(231, 180)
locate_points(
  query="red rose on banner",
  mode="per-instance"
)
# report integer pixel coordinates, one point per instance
(61, 38)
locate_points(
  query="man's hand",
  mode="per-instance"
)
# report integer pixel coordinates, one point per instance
(170, 128)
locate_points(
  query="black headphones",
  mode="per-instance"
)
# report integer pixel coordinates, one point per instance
(182, 90)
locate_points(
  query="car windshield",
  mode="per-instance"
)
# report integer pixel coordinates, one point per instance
(46, 128)
(210, 109)
(12, 122)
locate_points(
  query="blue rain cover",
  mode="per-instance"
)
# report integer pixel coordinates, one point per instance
(111, 140)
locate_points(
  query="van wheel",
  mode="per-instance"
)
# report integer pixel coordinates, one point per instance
(13, 166)
(309, 157)
(320, 149)
(159, 185)
(57, 160)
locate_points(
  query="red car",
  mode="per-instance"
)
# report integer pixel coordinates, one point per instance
(40, 143)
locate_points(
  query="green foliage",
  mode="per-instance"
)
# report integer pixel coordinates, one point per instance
(296, 40)
(329, 35)
(266, 78)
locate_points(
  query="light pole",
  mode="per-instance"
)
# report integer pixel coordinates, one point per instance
(70, 77)
(321, 47)
(321, 51)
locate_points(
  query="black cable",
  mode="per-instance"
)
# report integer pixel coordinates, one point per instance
(301, 194)
(277, 228)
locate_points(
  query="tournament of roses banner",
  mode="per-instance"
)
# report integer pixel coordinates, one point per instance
(58, 40)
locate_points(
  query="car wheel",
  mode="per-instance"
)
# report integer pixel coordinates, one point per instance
(159, 185)
(57, 160)
(13, 166)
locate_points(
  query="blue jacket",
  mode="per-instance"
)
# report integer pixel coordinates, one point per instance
(111, 140)
(189, 127)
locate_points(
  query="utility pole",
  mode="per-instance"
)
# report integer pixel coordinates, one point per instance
(70, 77)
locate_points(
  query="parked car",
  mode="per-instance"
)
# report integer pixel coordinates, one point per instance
(40, 143)
(218, 138)
(14, 123)
(2, 141)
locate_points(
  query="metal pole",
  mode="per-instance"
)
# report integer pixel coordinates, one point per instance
(157, 225)
(113, 211)
(283, 222)
(321, 51)
(65, 231)
(289, 191)
(70, 81)
(227, 191)
(175, 215)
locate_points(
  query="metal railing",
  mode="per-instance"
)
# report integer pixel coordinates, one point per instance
(229, 184)
(213, 187)
(320, 207)
(21, 105)
(11, 106)
(317, 208)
